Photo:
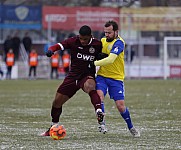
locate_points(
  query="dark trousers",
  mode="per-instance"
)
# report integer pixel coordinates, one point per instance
(32, 69)
(9, 70)
(1, 72)
(54, 69)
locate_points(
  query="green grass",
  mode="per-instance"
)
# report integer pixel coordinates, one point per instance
(155, 107)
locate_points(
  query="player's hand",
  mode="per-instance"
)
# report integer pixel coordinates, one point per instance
(49, 53)
(101, 56)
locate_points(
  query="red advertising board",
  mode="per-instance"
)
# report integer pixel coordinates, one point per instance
(175, 71)
(72, 18)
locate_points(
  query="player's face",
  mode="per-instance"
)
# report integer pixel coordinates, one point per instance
(110, 33)
(84, 40)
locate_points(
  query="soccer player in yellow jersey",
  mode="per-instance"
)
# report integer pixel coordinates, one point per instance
(110, 76)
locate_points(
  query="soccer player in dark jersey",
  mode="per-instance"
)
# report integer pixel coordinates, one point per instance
(84, 49)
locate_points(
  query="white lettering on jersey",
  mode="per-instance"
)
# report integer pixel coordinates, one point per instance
(85, 57)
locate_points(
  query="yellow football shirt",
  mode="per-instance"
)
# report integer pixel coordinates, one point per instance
(116, 69)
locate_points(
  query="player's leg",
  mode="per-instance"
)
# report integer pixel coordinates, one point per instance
(102, 127)
(62, 95)
(56, 110)
(89, 86)
(126, 116)
(116, 91)
(101, 95)
(123, 110)
(101, 87)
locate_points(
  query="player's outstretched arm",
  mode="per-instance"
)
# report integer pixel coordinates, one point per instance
(53, 49)
(108, 60)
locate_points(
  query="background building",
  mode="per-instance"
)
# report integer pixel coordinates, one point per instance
(143, 24)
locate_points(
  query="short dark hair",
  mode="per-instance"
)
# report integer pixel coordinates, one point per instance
(113, 23)
(85, 30)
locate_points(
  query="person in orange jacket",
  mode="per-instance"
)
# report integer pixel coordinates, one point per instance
(10, 60)
(66, 61)
(54, 65)
(33, 63)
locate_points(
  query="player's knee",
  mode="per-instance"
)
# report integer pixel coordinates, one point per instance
(120, 105)
(121, 109)
(89, 86)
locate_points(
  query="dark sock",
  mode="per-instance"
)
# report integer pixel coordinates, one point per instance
(95, 99)
(55, 113)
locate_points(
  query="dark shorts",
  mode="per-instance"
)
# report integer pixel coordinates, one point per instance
(70, 85)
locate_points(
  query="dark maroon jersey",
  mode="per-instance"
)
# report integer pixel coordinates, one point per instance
(81, 56)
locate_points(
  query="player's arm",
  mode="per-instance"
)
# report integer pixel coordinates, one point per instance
(108, 60)
(53, 49)
(117, 48)
(56, 47)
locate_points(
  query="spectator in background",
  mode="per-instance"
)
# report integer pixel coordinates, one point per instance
(10, 59)
(60, 37)
(54, 65)
(66, 61)
(33, 63)
(72, 34)
(1, 72)
(16, 44)
(8, 44)
(102, 35)
(51, 42)
(132, 54)
(27, 42)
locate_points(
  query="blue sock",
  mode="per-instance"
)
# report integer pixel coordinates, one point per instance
(127, 118)
(102, 107)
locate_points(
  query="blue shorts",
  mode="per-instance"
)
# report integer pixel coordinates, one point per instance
(115, 88)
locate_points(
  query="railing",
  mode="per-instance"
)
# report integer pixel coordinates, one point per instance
(23, 54)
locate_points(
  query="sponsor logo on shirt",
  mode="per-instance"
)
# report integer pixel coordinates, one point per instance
(85, 57)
